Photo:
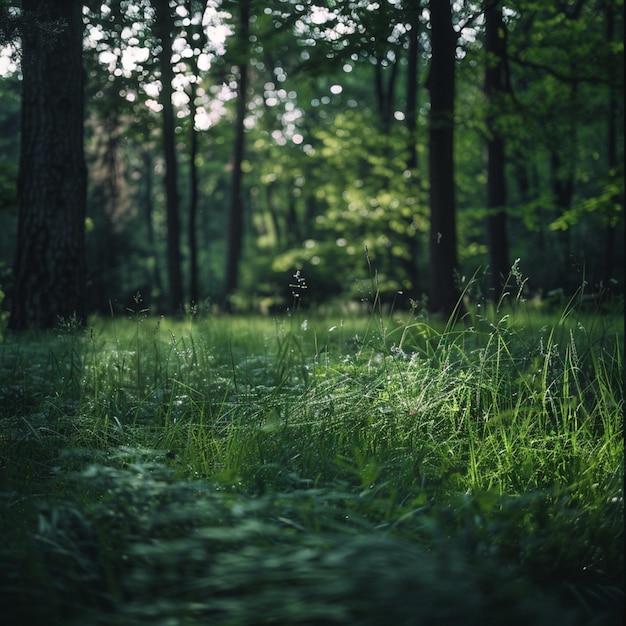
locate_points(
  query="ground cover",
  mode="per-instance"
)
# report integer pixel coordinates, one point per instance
(309, 469)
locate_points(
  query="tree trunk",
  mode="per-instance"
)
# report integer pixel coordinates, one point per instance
(496, 85)
(194, 195)
(413, 10)
(193, 204)
(193, 200)
(611, 146)
(50, 258)
(443, 296)
(562, 183)
(163, 29)
(147, 158)
(235, 230)
(385, 93)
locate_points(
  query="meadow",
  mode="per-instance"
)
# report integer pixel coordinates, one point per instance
(309, 468)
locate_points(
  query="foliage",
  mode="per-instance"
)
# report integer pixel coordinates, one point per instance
(607, 206)
(14, 22)
(328, 142)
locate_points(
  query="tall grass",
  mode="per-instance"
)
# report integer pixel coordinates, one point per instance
(308, 469)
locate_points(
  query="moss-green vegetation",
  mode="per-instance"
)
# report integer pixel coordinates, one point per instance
(309, 470)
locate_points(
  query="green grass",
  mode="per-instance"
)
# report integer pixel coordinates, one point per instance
(315, 470)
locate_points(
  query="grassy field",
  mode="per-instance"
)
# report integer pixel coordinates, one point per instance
(308, 469)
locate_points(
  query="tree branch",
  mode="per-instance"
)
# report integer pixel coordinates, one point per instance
(563, 77)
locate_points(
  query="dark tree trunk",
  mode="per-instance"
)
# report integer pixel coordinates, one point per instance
(50, 257)
(193, 204)
(236, 222)
(148, 205)
(413, 10)
(163, 29)
(443, 296)
(496, 86)
(562, 179)
(413, 14)
(276, 222)
(612, 159)
(384, 93)
(562, 183)
(194, 294)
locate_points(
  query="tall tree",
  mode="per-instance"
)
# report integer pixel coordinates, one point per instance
(413, 11)
(236, 218)
(611, 143)
(163, 29)
(496, 85)
(443, 294)
(195, 36)
(50, 259)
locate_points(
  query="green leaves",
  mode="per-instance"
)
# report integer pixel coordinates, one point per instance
(607, 206)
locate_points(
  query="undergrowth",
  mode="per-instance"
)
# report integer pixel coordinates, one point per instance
(307, 470)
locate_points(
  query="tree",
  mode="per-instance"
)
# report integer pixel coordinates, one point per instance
(163, 26)
(196, 32)
(50, 258)
(333, 108)
(496, 86)
(443, 294)
(413, 11)
(612, 154)
(236, 224)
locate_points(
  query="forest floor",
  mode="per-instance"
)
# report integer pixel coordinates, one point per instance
(385, 469)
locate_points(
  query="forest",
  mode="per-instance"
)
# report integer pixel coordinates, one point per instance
(219, 148)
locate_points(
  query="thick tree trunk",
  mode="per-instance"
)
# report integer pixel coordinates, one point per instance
(163, 28)
(443, 296)
(50, 258)
(236, 222)
(496, 85)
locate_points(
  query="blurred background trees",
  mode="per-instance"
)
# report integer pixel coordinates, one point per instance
(231, 144)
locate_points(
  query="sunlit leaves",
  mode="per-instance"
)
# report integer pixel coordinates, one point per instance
(607, 205)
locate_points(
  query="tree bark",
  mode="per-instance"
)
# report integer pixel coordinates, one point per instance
(562, 183)
(194, 193)
(443, 295)
(50, 258)
(163, 28)
(413, 10)
(193, 204)
(236, 222)
(611, 148)
(147, 157)
(496, 85)
(385, 93)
